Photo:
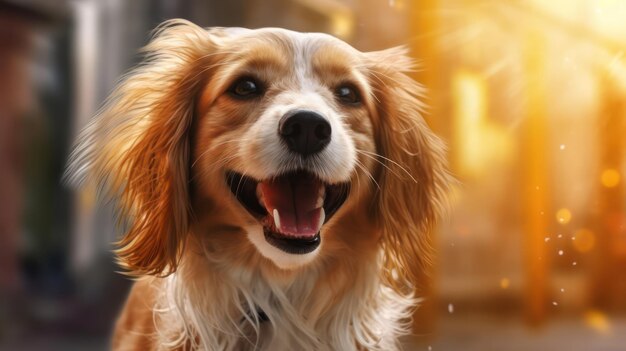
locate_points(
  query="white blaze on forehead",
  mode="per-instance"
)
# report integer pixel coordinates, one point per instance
(302, 65)
(305, 46)
(302, 99)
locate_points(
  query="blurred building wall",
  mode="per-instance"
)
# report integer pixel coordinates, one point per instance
(16, 99)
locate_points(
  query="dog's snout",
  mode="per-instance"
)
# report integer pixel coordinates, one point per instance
(305, 132)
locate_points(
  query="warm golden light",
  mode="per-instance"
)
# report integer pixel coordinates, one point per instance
(584, 240)
(342, 20)
(528, 98)
(397, 4)
(597, 321)
(343, 25)
(563, 216)
(610, 178)
(604, 16)
(480, 140)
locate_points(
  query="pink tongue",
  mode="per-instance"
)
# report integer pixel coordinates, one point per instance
(295, 199)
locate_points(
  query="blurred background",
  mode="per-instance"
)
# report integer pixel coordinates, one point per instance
(530, 96)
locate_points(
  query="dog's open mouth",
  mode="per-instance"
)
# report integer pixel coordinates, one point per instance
(292, 207)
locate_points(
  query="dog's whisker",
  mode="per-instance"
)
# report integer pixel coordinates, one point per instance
(204, 153)
(380, 80)
(373, 156)
(199, 157)
(361, 167)
(219, 163)
(244, 179)
(214, 146)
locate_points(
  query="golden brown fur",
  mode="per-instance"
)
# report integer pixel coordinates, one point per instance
(161, 146)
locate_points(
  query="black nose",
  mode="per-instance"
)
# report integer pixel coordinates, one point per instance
(305, 132)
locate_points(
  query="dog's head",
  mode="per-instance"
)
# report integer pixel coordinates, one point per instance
(295, 146)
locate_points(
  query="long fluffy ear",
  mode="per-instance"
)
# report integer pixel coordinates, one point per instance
(414, 179)
(137, 148)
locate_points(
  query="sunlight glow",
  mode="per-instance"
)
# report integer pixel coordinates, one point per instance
(480, 140)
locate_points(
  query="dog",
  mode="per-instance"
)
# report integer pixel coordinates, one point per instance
(276, 188)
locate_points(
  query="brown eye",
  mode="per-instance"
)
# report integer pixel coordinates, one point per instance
(348, 94)
(245, 88)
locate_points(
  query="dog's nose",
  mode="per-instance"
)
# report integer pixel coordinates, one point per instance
(305, 132)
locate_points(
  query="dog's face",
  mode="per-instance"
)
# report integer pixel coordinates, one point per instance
(299, 143)
(285, 122)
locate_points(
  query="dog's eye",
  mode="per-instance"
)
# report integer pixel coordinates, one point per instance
(245, 88)
(347, 94)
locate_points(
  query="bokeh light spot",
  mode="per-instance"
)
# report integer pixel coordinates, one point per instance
(597, 321)
(584, 240)
(610, 178)
(563, 216)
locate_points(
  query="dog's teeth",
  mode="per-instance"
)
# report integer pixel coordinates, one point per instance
(277, 218)
(259, 195)
(319, 202)
(320, 197)
(320, 223)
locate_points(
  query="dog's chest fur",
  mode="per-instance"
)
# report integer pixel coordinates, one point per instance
(217, 311)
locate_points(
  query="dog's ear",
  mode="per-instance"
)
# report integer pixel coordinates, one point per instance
(413, 179)
(137, 148)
